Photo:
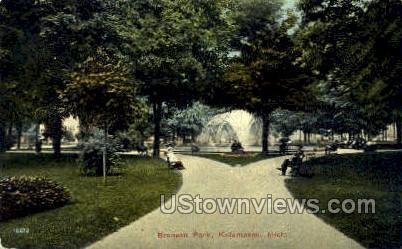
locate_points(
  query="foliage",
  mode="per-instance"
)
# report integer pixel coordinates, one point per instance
(355, 49)
(41, 42)
(94, 58)
(68, 135)
(189, 121)
(102, 93)
(21, 196)
(265, 75)
(285, 122)
(176, 41)
(139, 131)
(91, 156)
(12, 38)
(176, 46)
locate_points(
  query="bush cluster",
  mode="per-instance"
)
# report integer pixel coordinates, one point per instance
(91, 156)
(20, 196)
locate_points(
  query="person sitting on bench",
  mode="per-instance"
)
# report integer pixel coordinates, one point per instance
(172, 160)
(285, 166)
(297, 161)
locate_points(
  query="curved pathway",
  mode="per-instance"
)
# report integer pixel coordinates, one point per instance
(212, 179)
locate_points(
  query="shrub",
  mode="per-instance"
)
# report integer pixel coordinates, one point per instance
(91, 155)
(69, 136)
(20, 196)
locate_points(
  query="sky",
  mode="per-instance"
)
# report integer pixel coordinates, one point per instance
(290, 3)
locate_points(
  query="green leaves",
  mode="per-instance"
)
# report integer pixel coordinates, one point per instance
(356, 48)
(266, 75)
(102, 91)
(170, 41)
(189, 121)
(20, 196)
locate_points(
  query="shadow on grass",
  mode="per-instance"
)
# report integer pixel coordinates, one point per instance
(366, 176)
(237, 159)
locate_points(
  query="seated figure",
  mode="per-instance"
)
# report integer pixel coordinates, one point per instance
(297, 161)
(332, 147)
(237, 147)
(172, 160)
(194, 149)
(285, 166)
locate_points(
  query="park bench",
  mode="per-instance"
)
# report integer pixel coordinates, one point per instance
(195, 149)
(142, 150)
(172, 161)
(331, 148)
(298, 169)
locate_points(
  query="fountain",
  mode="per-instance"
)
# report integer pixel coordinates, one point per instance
(235, 125)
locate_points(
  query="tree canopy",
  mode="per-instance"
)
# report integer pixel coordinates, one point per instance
(111, 63)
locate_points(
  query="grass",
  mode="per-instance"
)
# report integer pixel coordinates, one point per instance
(364, 176)
(96, 210)
(236, 159)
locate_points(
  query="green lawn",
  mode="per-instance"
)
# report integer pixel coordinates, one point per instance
(374, 175)
(237, 160)
(96, 210)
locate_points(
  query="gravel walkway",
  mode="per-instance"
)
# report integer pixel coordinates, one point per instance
(211, 179)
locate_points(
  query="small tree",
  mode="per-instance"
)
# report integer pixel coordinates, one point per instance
(103, 93)
(190, 121)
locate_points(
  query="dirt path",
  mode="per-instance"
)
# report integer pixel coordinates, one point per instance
(211, 179)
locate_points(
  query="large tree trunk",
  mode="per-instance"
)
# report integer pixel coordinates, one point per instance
(19, 134)
(174, 137)
(56, 133)
(2, 137)
(265, 132)
(157, 109)
(37, 128)
(105, 167)
(399, 131)
(10, 130)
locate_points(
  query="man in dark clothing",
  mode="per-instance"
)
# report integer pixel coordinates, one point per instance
(285, 166)
(297, 161)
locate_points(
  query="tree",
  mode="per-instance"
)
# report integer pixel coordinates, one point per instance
(19, 26)
(103, 93)
(190, 121)
(72, 31)
(355, 47)
(285, 122)
(174, 44)
(40, 43)
(265, 75)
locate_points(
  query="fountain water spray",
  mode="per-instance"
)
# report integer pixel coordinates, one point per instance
(235, 125)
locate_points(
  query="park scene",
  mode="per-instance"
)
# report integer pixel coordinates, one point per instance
(127, 123)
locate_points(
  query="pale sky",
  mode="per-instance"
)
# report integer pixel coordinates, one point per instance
(290, 3)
